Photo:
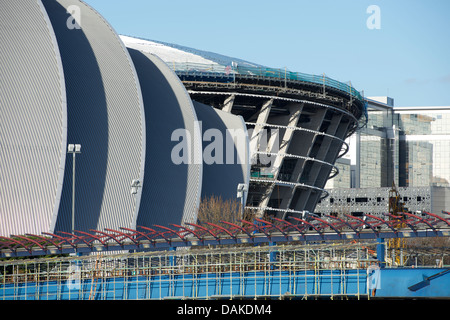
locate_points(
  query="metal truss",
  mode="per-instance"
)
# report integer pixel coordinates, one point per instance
(345, 146)
(280, 98)
(334, 169)
(157, 237)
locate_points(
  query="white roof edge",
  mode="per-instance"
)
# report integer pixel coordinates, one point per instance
(425, 108)
(165, 53)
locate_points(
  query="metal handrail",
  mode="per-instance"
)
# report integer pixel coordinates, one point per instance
(233, 70)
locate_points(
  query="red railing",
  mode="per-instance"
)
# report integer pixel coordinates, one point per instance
(323, 227)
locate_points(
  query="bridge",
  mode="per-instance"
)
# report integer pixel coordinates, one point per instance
(344, 270)
(308, 229)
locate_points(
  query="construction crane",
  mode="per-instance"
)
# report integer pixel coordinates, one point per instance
(396, 209)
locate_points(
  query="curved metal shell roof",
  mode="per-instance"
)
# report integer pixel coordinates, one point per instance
(170, 192)
(225, 152)
(173, 53)
(32, 119)
(101, 84)
(64, 83)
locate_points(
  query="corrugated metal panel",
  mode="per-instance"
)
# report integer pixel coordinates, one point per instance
(229, 154)
(171, 192)
(32, 119)
(105, 116)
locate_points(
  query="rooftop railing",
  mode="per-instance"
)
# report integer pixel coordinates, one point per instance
(283, 74)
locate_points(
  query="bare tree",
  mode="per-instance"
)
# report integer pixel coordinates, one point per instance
(214, 209)
(429, 242)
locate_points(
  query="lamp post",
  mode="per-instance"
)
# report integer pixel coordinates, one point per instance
(73, 149)
(135, 184)
(241, 189)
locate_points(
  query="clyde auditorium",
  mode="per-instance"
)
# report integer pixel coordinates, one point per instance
(68, 78)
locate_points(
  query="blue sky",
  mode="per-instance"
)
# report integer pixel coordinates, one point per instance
(408, 58)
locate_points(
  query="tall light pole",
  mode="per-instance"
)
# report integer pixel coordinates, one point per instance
(73, 149)
(135, 184)
(241, 190)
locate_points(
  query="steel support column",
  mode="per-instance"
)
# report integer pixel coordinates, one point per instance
(381, 249)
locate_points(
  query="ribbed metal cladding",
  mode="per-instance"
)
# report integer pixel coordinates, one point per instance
(105, 116)
(170, 191)
(225, 152)
(32, 119)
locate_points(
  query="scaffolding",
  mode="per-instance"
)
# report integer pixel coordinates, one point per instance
(275, 272)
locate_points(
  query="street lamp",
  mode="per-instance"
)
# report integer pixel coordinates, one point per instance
(73, 149)
(135, 184)
(241, 189)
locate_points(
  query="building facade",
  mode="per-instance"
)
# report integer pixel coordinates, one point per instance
(425, 143)
(66, 82)
(297, 123)
(403, 146)
(145, 113)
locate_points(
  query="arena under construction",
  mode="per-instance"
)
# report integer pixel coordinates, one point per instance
(94, 240)
(297, 122)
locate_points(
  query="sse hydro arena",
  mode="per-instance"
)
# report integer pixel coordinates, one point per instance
(126, 104)
(297, 122)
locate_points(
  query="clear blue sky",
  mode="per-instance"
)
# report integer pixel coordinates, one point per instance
(408, 58)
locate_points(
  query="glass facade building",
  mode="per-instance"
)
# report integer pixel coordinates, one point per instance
(407, 146)
(424, 146)
(374, 149)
